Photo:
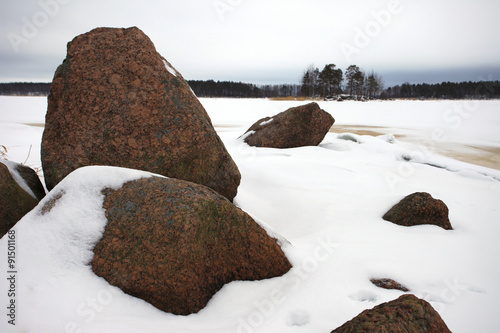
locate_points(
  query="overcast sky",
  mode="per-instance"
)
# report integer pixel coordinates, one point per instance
(268, 41)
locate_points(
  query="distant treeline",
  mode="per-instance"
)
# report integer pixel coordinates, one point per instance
(211, 88)
(208, 88)
(445, 90)
(25, 89)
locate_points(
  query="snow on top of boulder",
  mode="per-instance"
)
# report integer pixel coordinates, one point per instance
(55, 242)
(169, 68)
(265, 122)
(72, 212)
(17, 177)
(246, 135)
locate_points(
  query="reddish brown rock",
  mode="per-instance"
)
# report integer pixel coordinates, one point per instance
(405, 314)
(300, 126)
(419, 208)
(116, 101)
(14, 201)
(386, 283)
(174, 244)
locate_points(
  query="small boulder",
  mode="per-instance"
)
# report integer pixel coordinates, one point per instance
(304, 125)
(419, 208)
(15, 202)
(31, 180)
(386, 283)
(116, 101)
(405, 314)
(174, 244)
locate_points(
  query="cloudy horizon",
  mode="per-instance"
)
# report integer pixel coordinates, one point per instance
(268, 42)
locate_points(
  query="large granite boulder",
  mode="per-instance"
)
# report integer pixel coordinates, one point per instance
(15, 201)
(419, 208)
(116, 101)
(174, 244)
(405, 314)
(304, 125)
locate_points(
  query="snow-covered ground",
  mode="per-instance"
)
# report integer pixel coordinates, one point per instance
(328, 201)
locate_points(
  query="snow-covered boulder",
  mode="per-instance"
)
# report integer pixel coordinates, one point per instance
(204, 234)
(405, 314)
(304, 125)
(174, 244)
(419, 208)
(20, 190)
(116, 101)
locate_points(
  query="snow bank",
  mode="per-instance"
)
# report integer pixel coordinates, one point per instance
(54, 246)
(340, 190)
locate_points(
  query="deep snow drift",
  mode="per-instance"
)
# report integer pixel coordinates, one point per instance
(327, 201)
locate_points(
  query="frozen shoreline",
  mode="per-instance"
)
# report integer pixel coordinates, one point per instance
(487, 156)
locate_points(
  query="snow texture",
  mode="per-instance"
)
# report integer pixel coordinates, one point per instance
(326, 204)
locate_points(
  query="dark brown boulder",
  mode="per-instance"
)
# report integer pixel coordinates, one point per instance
(32, 180)
(116, 101)
(174, 244)
(304, 125)
(15, 202)
(405, 314)
(419, 208)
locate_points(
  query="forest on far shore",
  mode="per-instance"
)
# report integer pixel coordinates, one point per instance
(211, 88)
(445, 90)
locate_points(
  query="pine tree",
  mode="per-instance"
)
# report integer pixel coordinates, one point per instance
(310, 81)
(374, 84)
(330, 80)
(355, 80)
